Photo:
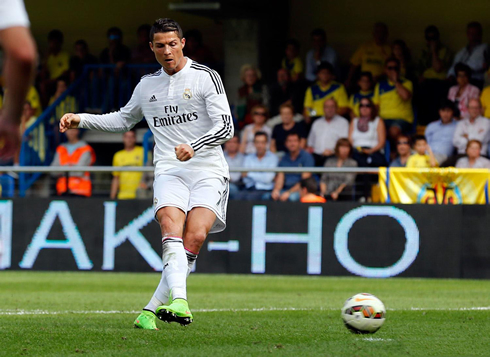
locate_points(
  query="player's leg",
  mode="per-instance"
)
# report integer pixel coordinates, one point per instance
(170, 202)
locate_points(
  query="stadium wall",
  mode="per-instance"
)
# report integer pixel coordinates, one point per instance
(340, 239)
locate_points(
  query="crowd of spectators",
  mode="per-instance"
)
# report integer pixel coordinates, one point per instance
(384, 109)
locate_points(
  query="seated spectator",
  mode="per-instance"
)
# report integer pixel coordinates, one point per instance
(37, 138)
(74, 152)
(403, 150)
(196, 50)
(309, 190)
(474, 127)
(339, 186)
(259, 117)
(440, 133)
(142, 53)
(250, 94)
(281, 92)
(367, 134)
(371, 56)
(320, 52)
(393, 97)
(402, 53)
(423, 156)
(292, 62)
(234, 158)
(475, 55)
(365, 84)
(323, 89)
(67, 105)
(258, 185)
(281, 131)
(473, 160)
(287, 185)
(433, 66)
(325, 132)
(485, 102)
(81, 58)
(116, 53)
(125, 184)
(56, 64)
(461, 93)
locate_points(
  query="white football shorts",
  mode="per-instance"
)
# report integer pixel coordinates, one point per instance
(13, 13)
(187, 189)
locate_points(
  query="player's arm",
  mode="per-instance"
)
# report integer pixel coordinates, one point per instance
(116, 122)
(218, 111)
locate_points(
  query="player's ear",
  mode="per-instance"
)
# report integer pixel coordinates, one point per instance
(183, 42)
(151, 46)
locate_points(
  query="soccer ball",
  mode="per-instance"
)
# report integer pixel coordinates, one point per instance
(363, 313)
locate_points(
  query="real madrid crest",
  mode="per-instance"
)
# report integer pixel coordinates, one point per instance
(187, 94)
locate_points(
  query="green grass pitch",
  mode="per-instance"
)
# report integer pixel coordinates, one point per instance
(60, 314)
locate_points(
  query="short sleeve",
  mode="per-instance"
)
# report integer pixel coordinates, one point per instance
(308, 98)
(408, 84)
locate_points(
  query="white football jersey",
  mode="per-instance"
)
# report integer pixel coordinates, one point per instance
(188, 107)
(13, 13)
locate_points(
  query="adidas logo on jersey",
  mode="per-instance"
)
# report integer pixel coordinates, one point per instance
(153, 98)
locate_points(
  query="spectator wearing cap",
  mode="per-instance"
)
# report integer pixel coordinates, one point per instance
(440, 133)
(475, 55)
(116, 53)
(287, 185)
(320, 52)
(461, 93)
(323, 89)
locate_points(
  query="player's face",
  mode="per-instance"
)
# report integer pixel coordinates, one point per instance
(168, 49)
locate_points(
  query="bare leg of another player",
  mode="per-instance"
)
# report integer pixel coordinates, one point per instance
(20, 53)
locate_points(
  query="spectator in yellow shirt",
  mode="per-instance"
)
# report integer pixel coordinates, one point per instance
(292, 62)
(485, 102)
(393, 96)
(125, 184)
(423, 157)
(371, 56)
(325, 88)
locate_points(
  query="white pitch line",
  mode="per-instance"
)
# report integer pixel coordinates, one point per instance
(108, 312)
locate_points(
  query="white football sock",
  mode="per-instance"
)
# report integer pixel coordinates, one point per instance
(175, 266)
(191, 260)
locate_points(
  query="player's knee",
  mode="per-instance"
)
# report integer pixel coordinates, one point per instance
(24, 56)
(195, 239)
(169, 225)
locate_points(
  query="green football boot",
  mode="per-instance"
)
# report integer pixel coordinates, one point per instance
(178, 311)
(146, 321)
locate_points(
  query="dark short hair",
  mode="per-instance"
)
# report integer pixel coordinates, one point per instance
(461, 67)
(81, 43)
(144, 27)
(392, 59)
(432, 29)
(446, 104)
(369, 75)
(166, 25)
(310, 184)
(293, 42)
(261, 133)
(293, 133)
(325, 65)
(115, 30)
(408, 137)
(55, 35)
(419, 138)
(342, 142)
(319, 32)
(475, 25)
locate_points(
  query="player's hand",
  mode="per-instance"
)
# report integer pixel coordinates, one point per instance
(9, 139)
(69, 121)
(184, 152)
